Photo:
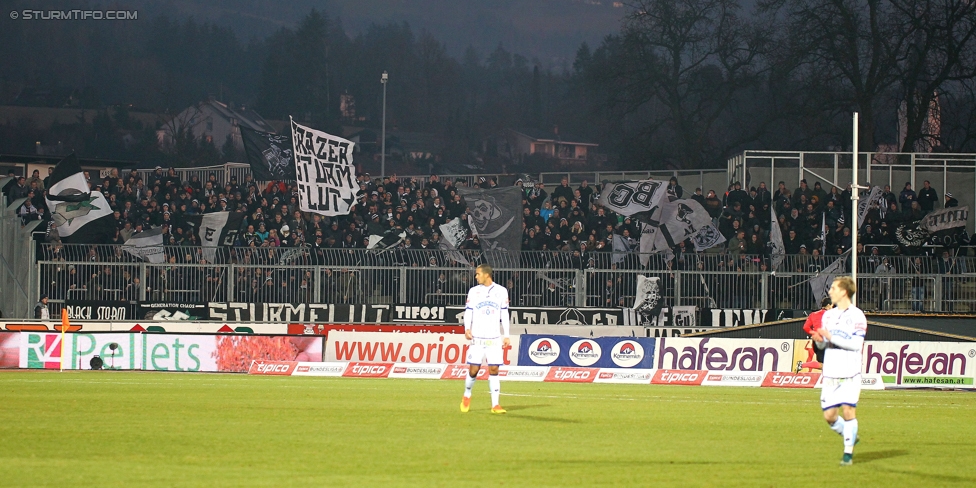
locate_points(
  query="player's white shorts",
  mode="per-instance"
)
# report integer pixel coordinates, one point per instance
(840, 391)
(485, 351)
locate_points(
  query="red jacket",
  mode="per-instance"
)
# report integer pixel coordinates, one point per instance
(813, 321)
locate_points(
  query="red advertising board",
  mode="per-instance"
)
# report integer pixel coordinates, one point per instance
(678, 377)
(790, 380)
(368, 370)
(561, 374)
(459, 371)
(276, 368)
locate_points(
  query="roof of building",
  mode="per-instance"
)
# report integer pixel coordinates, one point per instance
(544, 136)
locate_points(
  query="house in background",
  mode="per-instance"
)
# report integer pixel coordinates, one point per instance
(213, 121)
(517, 144)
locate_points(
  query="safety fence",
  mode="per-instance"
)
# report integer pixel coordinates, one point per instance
(442, 285)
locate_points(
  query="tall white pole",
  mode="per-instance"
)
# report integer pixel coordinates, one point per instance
(383, 80)
(855, 196)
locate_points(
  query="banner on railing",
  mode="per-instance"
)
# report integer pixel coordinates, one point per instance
(171, 311)
(301, 312)
(100, 310)
(680, 316)
(522, 316)
(734, 317)
(598, 352)
(169, 352)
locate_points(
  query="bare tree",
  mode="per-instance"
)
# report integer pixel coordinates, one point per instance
(678, 67)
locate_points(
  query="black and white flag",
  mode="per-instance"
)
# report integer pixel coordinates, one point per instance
(820, 284)
(777, 250)
(682, 219)
(385, 241)
(652, 241)
(81, 216)
(453, 234)
(218, 229)
(496, 216)
(638, 199)
(872, 199)
(648, 295)
(944, 219)
(147, 245)
(324, 171)
(707, 237)
(271, 156)
(910, 234)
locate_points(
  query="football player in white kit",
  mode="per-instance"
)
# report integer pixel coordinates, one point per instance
(842, 334)
(486, 324)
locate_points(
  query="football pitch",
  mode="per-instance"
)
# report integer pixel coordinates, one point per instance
(158, 429)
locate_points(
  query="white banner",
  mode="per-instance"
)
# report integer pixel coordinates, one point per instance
(921, 364)
(147, 245)
(724, 355)
(325, 172)
(406, 347)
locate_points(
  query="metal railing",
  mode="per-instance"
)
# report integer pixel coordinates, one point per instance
(954, 173)
(533, 260)
(740, 288)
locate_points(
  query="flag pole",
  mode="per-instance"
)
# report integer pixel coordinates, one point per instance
(64, 327)
(855, 196)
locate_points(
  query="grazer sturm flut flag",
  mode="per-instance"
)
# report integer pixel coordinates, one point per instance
(496, 216)
(80, 215)
(271, 156)
(218, 229)
(324, 171)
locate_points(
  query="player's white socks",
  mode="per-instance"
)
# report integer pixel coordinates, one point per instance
(468, 385)
(850, 435)
(838, 426)
(495, 386)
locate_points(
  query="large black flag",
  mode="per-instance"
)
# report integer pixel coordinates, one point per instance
(496, 217)
(80, 215)
(270, 155)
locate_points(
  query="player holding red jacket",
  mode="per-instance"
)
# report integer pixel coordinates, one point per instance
(810, 326)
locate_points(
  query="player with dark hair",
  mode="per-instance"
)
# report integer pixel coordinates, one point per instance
(486, 325)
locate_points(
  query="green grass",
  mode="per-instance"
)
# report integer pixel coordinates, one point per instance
(157, 429)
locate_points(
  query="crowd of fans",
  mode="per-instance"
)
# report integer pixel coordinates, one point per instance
(562, 219)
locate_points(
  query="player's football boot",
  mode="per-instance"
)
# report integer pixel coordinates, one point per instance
(847, 460)
(498, 409)
(465, 404)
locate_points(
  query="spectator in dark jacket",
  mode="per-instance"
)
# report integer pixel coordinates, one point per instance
(906, 198)
(950, 201)
(927, 197)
